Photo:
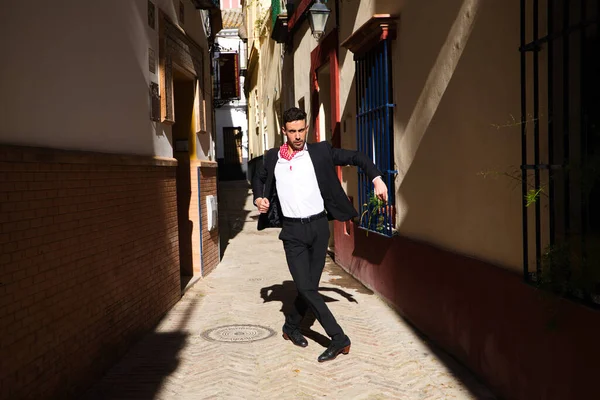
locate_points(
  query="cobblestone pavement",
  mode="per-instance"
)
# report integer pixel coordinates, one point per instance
(223, 339)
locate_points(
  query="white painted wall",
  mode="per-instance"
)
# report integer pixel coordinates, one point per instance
(74, 75)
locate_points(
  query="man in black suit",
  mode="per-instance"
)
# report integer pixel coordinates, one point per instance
(297, 189)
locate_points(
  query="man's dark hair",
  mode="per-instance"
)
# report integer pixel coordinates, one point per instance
(293, 114)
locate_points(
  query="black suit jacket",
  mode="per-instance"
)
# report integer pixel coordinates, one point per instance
(324, 159)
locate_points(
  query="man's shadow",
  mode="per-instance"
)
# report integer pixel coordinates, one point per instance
(286, 293)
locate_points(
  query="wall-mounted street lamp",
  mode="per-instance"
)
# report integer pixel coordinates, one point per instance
(317, 17)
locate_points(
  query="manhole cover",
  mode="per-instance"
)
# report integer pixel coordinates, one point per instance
(238, 333)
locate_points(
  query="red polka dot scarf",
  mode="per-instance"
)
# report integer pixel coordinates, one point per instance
(284, 152)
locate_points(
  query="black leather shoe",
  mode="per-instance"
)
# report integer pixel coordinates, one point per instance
(296, 338)
(333, 351)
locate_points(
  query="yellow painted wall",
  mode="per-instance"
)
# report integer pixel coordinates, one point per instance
(463, 79)
(271, 91)
(455, 79)
(265, 81)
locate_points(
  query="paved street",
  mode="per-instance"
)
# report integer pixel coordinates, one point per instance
(223, 339)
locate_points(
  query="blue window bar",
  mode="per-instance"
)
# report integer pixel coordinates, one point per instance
(374, 127)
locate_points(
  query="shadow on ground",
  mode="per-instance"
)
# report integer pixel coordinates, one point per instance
(233, 197)
(471, 382)
(141, 373)
(474, 385)
(286, 293)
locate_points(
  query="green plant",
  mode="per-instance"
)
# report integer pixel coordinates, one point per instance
(260, 22)
(374, 209)
(533, 193)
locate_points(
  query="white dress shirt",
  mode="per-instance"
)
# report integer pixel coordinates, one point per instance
(297, 186)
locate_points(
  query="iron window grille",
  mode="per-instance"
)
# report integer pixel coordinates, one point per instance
(560, 145)
(374, 126)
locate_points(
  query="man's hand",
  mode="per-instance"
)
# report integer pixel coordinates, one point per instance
(263, 204)
(381, 190)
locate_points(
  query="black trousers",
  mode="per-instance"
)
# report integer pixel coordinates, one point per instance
(305, 246)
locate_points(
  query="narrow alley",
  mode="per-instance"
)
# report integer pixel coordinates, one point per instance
(223, 339)
(453, 145)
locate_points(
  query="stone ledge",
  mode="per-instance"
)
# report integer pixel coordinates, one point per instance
(377, 28)
(208, 164)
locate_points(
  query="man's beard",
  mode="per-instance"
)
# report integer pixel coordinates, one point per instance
(298, 146)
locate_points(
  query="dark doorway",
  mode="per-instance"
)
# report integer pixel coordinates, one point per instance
(230, 168)
(183, 132)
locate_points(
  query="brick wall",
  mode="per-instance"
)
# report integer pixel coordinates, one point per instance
(210, 239)
(88, 262)
(200, 248)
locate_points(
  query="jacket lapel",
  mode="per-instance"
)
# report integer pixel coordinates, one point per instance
(314, 158)
(270, 165)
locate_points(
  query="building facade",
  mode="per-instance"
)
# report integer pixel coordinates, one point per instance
(231, 108)
(264, 82)
(480, 115)
(107, 156)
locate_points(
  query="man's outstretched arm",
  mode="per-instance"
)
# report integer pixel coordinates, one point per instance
(356, 158)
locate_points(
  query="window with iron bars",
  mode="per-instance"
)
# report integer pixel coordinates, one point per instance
(560, 126)
(374, 126)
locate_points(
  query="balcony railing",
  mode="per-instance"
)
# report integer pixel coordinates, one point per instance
(206, 4)
(278, 22)
(275, 11)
